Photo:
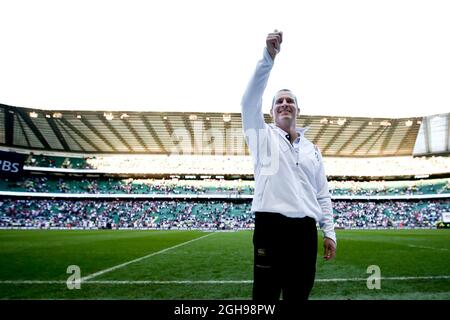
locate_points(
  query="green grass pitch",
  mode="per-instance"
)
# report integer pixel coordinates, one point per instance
(414, 264)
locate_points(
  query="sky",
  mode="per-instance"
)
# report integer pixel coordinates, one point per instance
(380, 58)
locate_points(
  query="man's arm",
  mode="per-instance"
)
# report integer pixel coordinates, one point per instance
(252, 115)
(327, 222)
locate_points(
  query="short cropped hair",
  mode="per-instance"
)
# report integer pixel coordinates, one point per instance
(286, 90)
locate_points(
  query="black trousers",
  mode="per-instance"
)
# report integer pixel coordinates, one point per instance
(285, 253)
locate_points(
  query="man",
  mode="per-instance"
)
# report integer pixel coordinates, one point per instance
(291, 191)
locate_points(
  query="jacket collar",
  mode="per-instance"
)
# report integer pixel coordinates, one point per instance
(301, 131)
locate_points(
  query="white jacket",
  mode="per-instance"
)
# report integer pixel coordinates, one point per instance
(289, 178)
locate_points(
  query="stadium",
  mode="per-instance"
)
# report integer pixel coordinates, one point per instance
(157, 205)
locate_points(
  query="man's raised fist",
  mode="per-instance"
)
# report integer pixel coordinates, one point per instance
(273, 42)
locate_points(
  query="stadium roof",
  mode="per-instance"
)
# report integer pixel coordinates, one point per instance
(192, 133)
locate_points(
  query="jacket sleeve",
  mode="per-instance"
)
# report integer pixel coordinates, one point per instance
(251, 104)
(326, 223)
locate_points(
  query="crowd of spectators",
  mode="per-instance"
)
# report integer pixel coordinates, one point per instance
(124, 186)
(211, 186)
(136, 214)
(335, 166)
(217, 214)
(378, 188)
(217, 164)
(171, 214)
(386, 214)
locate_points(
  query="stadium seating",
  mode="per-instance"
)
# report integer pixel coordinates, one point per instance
(45, 213)
(212, 213)
(189, 164)
(53, 184)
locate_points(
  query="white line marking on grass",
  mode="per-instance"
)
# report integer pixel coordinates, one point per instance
(385, 278)
(96, 274)
(170, 282)
(251, 281)
(125, 282)
(33, 281)
(424, 247)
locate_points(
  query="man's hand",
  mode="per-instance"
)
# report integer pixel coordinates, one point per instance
(329, 249)
(273, 42)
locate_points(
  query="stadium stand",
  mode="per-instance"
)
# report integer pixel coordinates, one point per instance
(96, 132)
(188, 164)
(171, 214)
(96, 170)
(50, 184)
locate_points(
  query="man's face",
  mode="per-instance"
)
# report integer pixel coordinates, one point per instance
(284, 108)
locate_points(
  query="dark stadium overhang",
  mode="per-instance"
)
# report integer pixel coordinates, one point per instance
(77, 133)
(58, 134)
(36, 131)
(9, 125)
(91, 132)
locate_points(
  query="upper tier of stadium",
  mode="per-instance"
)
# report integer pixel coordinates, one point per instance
(233, 166)
(193, 133)
(57, 185)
